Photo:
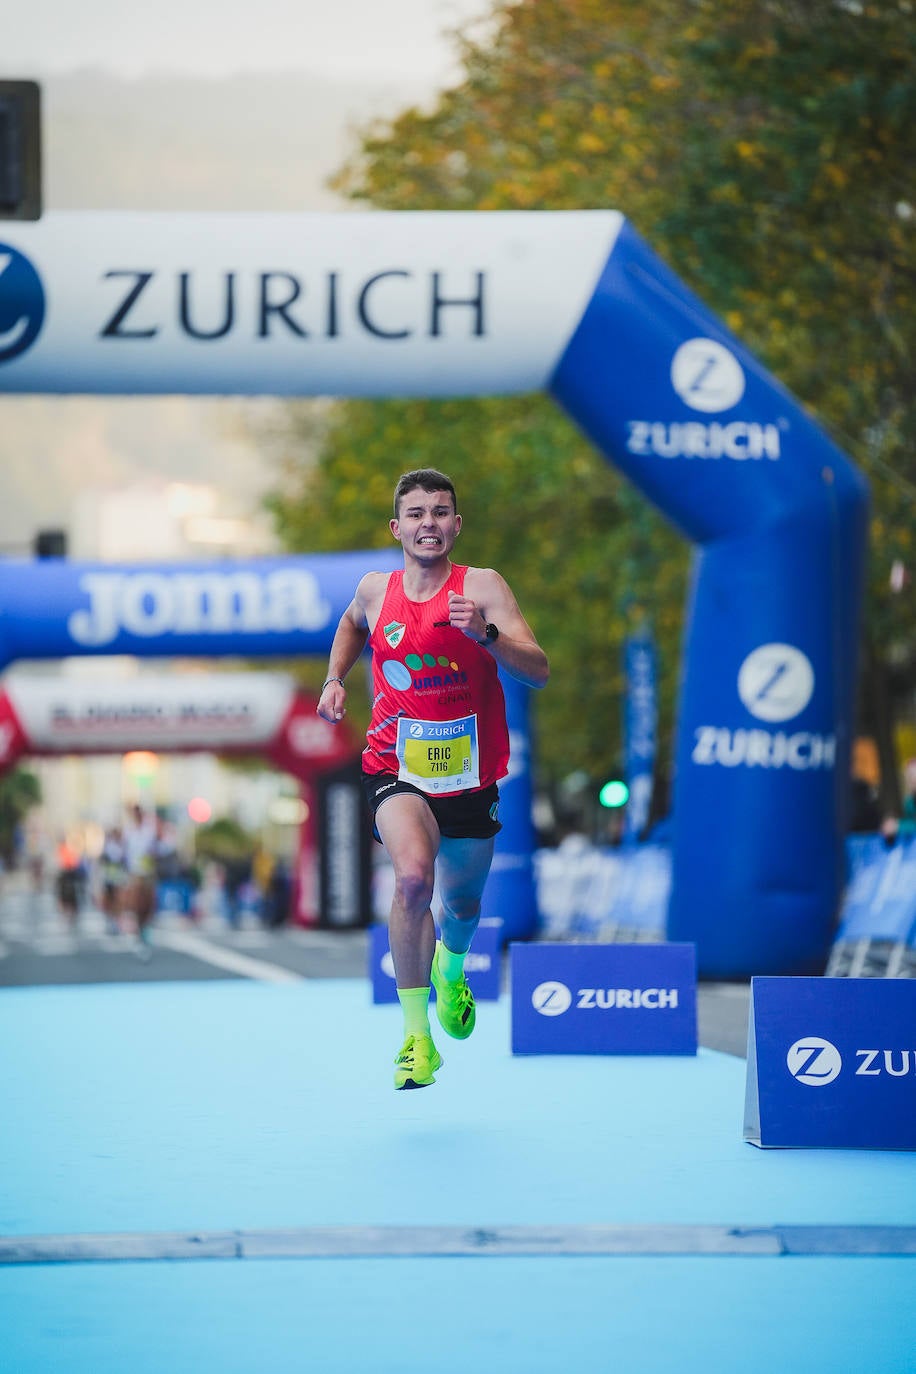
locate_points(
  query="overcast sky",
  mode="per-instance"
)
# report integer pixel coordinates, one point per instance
(347, 38)
(53, 447)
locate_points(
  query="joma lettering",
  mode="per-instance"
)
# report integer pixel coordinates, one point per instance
(149, 604)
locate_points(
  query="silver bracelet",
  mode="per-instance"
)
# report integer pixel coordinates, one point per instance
(331, 679)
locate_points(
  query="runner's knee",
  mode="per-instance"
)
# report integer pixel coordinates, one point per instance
(462, 908)
(414, 886)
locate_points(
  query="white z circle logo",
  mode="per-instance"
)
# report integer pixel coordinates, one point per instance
(706, 376)
(814, 1061)
(551, 999)
(776, 682)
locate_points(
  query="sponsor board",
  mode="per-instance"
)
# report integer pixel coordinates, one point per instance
(775, 684)
(603, 999)
(482, 965)
(831, 1062)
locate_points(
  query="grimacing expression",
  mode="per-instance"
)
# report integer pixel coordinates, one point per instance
(427, 522)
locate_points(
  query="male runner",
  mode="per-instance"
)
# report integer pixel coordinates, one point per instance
(437, 746)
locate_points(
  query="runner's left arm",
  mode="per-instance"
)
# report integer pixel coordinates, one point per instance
(488, 600)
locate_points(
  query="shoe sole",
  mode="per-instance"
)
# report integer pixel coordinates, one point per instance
(422, 1083)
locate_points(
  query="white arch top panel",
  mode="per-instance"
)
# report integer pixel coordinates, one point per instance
(377, 304)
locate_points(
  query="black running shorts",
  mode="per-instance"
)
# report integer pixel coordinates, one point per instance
(464, 816)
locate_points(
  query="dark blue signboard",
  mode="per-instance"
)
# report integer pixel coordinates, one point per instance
(832, 1062)
(604, 999)
(482, 964)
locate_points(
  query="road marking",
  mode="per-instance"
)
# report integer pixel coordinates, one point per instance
(389, 1242)
(230, 960)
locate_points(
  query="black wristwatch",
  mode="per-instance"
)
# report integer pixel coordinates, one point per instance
(491, 633)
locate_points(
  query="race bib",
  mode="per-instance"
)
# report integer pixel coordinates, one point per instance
(438, 755)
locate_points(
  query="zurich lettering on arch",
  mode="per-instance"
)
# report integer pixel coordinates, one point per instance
(391, 304)
(573, 303)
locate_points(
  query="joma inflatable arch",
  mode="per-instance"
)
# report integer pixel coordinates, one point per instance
(469, 304)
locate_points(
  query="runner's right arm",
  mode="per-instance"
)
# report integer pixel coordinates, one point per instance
(348, 643)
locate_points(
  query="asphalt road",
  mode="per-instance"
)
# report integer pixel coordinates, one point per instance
(37, 947)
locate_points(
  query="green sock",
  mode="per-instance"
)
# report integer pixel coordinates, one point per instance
(450, 965)
(415, 1005)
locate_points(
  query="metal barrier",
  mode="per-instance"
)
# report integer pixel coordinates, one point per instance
(877, 932)
(603, 895)
(621, 895)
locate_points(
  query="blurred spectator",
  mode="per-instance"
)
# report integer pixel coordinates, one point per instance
(167, 858)
(237, 878)
(278, 897)
(903, 827)
(864, 807)
(141, 839)
(70, 882)
(113, 877)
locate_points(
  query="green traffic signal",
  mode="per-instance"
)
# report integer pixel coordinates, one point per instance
(614, 793)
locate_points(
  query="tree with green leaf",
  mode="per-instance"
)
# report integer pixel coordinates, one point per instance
(20, 792)
(766, 151)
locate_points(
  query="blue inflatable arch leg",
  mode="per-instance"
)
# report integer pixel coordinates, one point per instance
(778, 515)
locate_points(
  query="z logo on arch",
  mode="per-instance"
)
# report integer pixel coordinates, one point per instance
(22, 303)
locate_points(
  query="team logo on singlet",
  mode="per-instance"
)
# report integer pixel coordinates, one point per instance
(394, 633)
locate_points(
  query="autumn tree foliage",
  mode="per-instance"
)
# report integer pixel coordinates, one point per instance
(766, 150)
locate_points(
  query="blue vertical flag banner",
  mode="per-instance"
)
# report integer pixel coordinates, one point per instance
(832, 1062)
(640, 730)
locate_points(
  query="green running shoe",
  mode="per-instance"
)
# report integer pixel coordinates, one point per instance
(417, 1063)
(454, 1003)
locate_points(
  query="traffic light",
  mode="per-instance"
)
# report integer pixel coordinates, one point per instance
(614, 794)
(20, 150)
(50, 544)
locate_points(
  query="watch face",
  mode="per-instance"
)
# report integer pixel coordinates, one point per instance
(492, 632)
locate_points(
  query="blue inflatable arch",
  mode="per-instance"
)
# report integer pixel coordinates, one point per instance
(576, 304)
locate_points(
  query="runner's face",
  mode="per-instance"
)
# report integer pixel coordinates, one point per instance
(427, 524)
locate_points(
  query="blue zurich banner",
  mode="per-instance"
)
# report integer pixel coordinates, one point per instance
(603, 999)
(482, 964)
(832, 1062)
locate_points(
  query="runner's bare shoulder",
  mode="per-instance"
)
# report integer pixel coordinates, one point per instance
(370, 593)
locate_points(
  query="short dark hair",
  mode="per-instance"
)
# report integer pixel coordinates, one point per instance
(427, 479)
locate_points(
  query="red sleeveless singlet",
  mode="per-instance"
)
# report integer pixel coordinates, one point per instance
(438, 711)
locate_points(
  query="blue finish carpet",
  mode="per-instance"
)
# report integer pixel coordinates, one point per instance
(135, 1110)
